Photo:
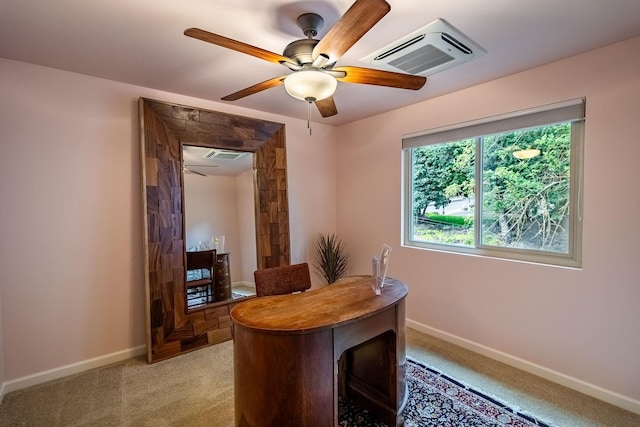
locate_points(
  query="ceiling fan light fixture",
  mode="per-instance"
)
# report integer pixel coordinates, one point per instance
(310, 85)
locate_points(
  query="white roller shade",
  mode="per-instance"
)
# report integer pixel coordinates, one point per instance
(572, 110)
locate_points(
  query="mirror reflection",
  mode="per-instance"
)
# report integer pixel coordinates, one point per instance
(219, 225)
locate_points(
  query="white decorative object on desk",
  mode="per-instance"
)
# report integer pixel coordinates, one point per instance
(384, 262)
(376, 279)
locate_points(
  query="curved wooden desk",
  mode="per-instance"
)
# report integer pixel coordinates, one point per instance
(294, 354)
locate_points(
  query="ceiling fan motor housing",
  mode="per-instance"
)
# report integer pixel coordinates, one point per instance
(301, 50)
(310, 24)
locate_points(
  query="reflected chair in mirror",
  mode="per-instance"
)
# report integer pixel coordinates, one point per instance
(200, 278)
(282, 280)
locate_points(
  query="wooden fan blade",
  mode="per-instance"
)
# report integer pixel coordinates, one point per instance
(218, 40)
(368, 76)
(192, 171)
(356, 21)
(327, 107)
(267, 84)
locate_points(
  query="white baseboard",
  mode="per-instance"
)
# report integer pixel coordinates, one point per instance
(557, 377)
(242, 283)
(532, 368)
(74, 368)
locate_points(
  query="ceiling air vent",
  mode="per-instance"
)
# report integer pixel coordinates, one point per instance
(223, 154)
(430, 49)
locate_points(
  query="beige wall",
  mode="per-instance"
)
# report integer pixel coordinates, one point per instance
(69, 181)
(1, 353)
(580, 323)
(70, 185)
(213, 207)
(247, 226)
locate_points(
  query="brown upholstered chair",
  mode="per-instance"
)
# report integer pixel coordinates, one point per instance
(282, 280)
(200, 266)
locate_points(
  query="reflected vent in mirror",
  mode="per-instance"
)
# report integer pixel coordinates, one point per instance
(223, 154)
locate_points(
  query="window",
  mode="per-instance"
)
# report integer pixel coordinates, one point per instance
(507, 186)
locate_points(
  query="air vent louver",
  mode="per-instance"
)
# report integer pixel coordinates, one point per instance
(399, 48)
(422, 59)
(430, 49)
(223, 154)
(455, 43)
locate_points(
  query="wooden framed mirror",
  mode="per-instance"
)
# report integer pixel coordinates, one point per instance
(164, 127)
(219, 214)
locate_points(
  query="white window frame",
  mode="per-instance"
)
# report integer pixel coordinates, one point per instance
(572, 110)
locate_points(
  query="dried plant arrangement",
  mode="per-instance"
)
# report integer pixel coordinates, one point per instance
(331, 258)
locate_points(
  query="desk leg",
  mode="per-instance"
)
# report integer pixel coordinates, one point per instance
(283, 380)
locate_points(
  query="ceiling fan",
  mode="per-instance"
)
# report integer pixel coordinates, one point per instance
(314, 78)
(187, 169)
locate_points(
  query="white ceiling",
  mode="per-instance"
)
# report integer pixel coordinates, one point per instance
(141, 42)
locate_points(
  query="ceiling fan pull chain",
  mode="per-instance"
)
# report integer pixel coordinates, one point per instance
(309, 116)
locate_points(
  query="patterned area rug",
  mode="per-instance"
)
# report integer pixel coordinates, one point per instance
(438, 400)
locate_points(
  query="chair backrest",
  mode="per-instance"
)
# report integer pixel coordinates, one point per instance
(201, 260)
(282, 280)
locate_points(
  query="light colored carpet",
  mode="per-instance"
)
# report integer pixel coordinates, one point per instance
(197, 390)
(544, 399)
